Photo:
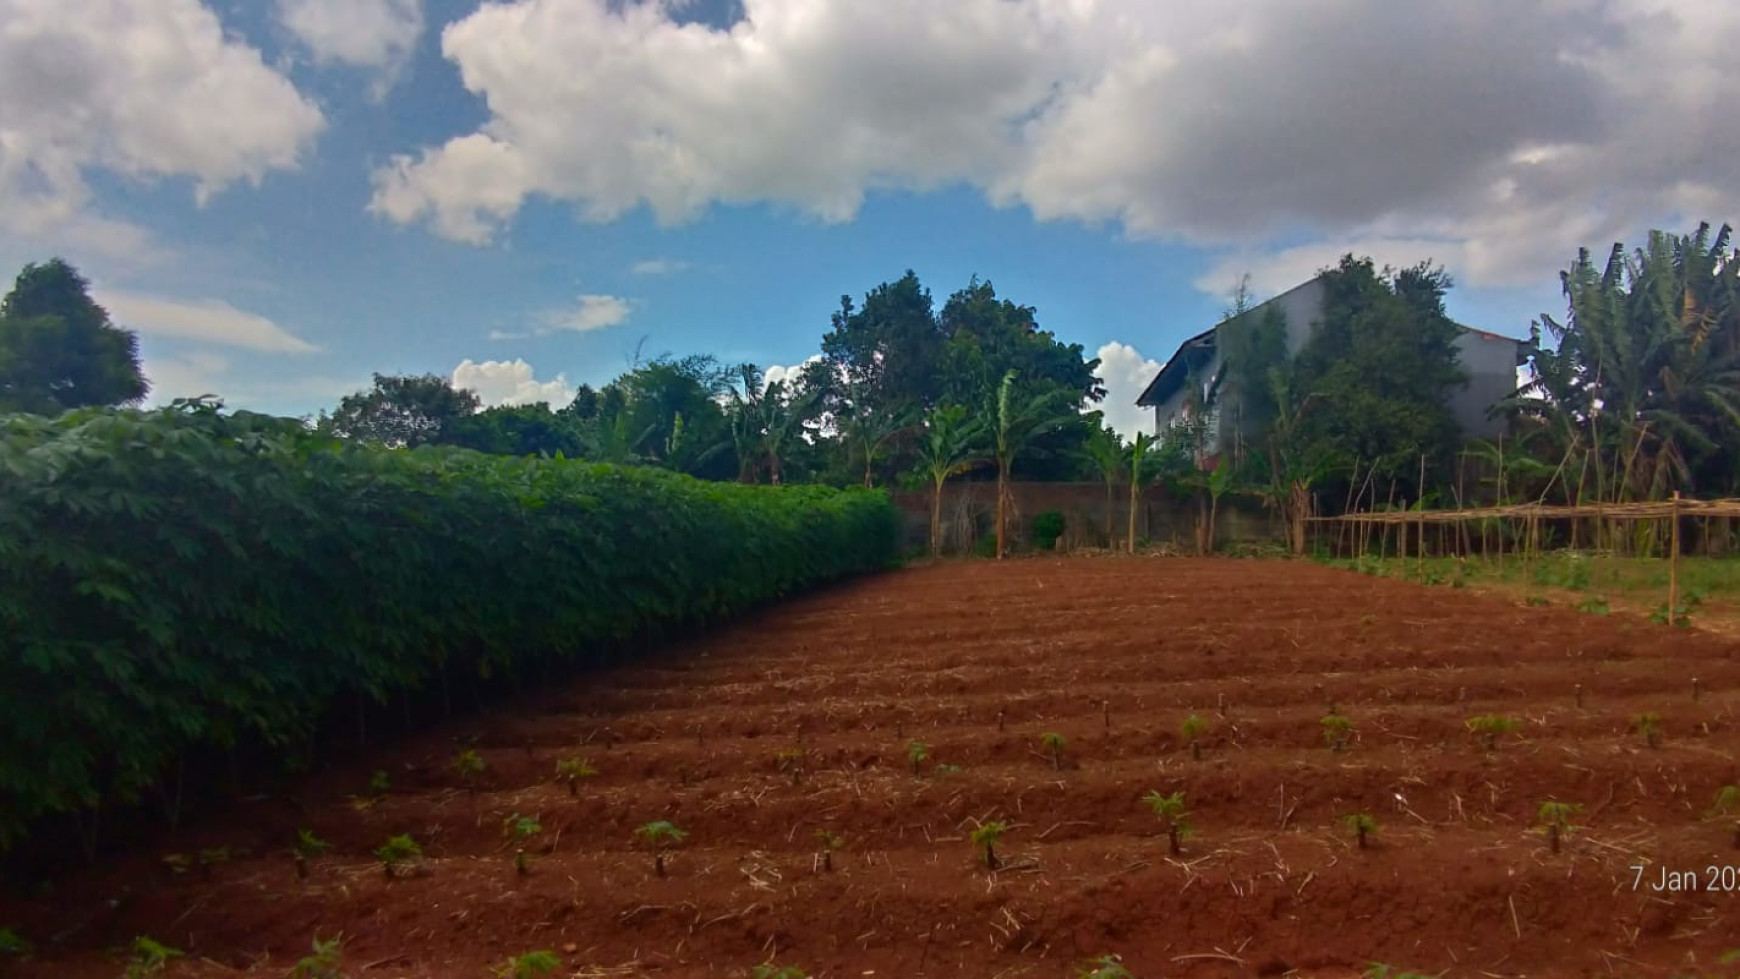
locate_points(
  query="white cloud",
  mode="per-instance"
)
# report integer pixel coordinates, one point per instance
(593, 313)
(501, 382)
(776, 372)
(378, 34)
(659, 266)
(1236, 125)
(1126, 373)
(145, 89)
(210, 320)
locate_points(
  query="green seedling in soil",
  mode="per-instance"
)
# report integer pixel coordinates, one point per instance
(1193, 728)
(1378, 970)
(1104, 967)
(1361, 825)
(470, 765)
(988, 835)
(529, 965)
(1556, 817)
(13, 945)
(1490, 726)
(1594, 605)
(1170, 810)
(520, 829)
(771, 971)
(397, 850)
(791, 760)
(379, 784)
(214, 857)
(324, 963)
(572, 770)
(1054, 743)
(828, 843)
(918, 753)
(1727, 804)
(947, 769)
(1337, 730)
(149, 957)
(1648, 725)
(1538, 601)
(178, 863)
(657, 834)
(307, 847)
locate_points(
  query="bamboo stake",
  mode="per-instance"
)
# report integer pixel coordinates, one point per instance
(1420, 501)
(1674, 560)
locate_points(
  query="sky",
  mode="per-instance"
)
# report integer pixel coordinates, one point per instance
(284, 197)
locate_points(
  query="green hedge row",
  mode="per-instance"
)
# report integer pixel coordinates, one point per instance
(180, 580)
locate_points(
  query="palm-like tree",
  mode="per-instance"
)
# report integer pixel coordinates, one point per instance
(870, 430)
(951, 444)
(764, 419)
(1105, 450)
(1154, 459)
(1015, 422)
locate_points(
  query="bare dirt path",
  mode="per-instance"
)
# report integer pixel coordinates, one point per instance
(978, 661)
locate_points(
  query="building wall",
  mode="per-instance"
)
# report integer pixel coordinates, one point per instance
(1491, 365)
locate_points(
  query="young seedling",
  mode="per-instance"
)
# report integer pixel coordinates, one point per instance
(791, 760)
(988, 835)
(1556, 817)
(918, 753)
(947, 769)
(1379, 970)
(1192, 729)
(1361, 825)
(657, 834)
(470, 765)
(1170, 810)
(828, 842)
(1337, 730)
(1648, 725)
(1104, 967)
(397, 850)
(520, 829)
(178, 863)
(307, 847)
(379, 784)
(1490, 726)
(572, 770)
(1054, 743)
(529, 965)
(1727, 805)
(324, 963)
(149, 958)
(771, 971)
(13, 945)
(217, 856)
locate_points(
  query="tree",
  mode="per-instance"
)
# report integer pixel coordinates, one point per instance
(671, 412)
(58, 348)
(1015, 422)
(1105, 450)
(764, 419)
(891, 348)
(950, 445)
(1152, 460)
(516, 430)
(402, 411)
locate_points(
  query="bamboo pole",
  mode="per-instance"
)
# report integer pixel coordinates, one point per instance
(1420, 501)
(1674, 560)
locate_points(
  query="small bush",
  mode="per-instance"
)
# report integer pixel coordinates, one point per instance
(324, 963)
(1104, 967)
(988, 835)
(1047, 528)
(149, 957)
(397, 851)
(529, 965)
(12, 944)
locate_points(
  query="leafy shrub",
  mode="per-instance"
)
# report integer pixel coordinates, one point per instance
(1047, 528)
(178, 582)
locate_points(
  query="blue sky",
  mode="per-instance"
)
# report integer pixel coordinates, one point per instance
(713, 176)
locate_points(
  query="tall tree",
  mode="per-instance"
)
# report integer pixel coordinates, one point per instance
(516, 430)
(1105, 452)
(1015, 422)
(59, 349)
(891, 348)
(402, 411)
(950, 444)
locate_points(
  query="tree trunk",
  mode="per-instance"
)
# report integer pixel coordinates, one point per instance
(1299, 510)
(936, 518)
(1002, 499)
(1134, 491)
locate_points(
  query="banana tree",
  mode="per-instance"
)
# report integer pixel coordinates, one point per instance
(869, 430)
(1153, 459)
(1015, 422)
(1105, 451)
(951, 444)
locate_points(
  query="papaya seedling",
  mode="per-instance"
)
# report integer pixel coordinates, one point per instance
(1361, 825)
(1104, 967)
(572, 770)
(1490, 726)
(918, 753)
(307, 847)
(520, 829)
(1192, 729)
(988, 835)
(770, 971)
(1556, 818)
(324, 963)
(469, 764)
(13, 945)
(791, 760)
(529, 965)
(1337, 730)
(1727, 805)
(1054, 742)
(659, 834)
(149, 957)
(398, 850)
(828, 842)
(1648, 725)
(1170, 810)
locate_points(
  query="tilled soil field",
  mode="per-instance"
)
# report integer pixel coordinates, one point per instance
(801, 720)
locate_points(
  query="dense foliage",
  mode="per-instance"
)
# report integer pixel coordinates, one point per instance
(184, 581)
(58, 349)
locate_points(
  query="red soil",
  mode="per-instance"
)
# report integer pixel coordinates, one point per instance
(1271, 883)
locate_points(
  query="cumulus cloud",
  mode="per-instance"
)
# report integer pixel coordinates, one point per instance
(208, 320)
(377, 34)
(1501, 134)
(501, 382)
(1125, 373)
(145, 89)
(777, 372)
